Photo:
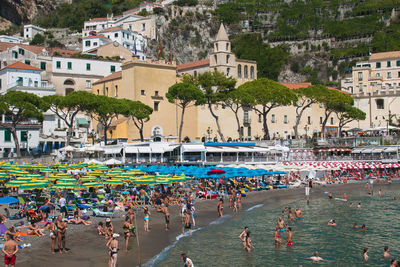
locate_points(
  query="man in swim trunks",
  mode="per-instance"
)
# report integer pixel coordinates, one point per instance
(290, 214)
(61, 231)
(298, 214)
(166, 215)
(10, 248)
(289, 240)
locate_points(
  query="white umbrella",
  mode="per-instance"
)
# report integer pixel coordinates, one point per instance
(94, 161)
(67, 149)
(112, 161)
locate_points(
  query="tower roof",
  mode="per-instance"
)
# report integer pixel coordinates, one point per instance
(222, 35)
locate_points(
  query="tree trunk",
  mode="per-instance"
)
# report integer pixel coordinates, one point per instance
(265, 125)
(16, 141)
(141, 133)
(238, 124)
(327, 114)
(140, 128)
(216, 121)
(181, 125)
(105, 134)
(298, 118)
(69, 134)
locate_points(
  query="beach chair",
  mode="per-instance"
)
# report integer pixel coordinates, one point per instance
(99, 213)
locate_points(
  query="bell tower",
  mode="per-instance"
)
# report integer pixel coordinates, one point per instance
(222, 59)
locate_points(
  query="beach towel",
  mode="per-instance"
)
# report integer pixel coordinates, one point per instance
(3, 229)
(25, 234)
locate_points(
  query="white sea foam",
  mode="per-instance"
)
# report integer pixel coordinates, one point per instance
(255, 207)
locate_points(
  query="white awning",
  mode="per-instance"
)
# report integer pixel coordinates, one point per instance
(157, 149)
(261, 149)
(144, 149)
(193, 148)
(377, 150)
(227, 149)
(131, 150)
(170, 148)
(357, 150)
(367, 150)
(390, 150)
(213, 149)
(112, 150)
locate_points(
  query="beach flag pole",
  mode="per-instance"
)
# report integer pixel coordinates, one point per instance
(138, 244)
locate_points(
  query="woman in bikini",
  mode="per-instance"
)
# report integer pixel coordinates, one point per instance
(127, 232)
(249, 246)
(61, 230)
(53, 235)
(112, 246)
(109, 229)
(277, 238)
(146, 219)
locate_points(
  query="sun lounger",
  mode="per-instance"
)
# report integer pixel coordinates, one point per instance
(99, 213)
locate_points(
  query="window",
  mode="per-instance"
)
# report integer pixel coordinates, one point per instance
(215, 57)
(227, 46)
(389, 75)
(58, 123)
(143, 26)
(112, 68)
(360, 87)
(389, 64)
(36, 83)
(116, 35)
(98, 91)
(195, 73)
(378, 65)
(156, 104)
(216, 46)
(259, 117)
(398, 74)
(14, 54)
(252, 72)
(58, 64)
(273, 118)
(87, 43)
(249, 131)
(87, 66)
(43, 84)
(285, 119)
(246, 116)
(21, 51)
(320, 120)
(88, 84)
(19, 81)
(106, 91)
(123, 35)
(7, 136)
(380, 103)
(43, 65)
(27, 62)
(0, 84)
(142, 92)
(116, 91)
(240, 71)
(308, 120)
(69, 65)
(227, 59)
(378, 74)
(227, 71)
(332, 120)
(360, 76)
(156, 93)
(246, 74)
(24, 136)
(94, 43)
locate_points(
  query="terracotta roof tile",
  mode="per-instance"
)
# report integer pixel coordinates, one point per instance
(98, 19)
(385, 55)
(36, 49)
(113, 76)
(191, 65)
(22, 66)
(112, 29)
(95, 36)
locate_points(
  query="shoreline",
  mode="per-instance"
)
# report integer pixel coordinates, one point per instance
(88, 249)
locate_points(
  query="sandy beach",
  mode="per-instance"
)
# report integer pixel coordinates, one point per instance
(87, 249)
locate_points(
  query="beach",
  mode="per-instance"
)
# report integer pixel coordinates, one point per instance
(86, 248)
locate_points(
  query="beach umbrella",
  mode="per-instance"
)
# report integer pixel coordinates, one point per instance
(115, 182)
(8, 200)
(64, 186)
(92, 184)
(216, 171)
(14, 183)
(32, 186)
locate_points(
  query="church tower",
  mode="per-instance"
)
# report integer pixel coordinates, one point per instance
(222, 59)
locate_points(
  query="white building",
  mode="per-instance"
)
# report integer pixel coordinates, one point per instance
(20, 74)
(31, 30)
(92, 42)
(9, 39)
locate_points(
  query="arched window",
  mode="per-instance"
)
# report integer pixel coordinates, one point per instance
(246, 72)
(69, 82)
(227, 59)
(239, 71)
(252, 72)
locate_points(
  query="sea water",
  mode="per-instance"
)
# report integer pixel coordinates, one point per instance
(218, 244)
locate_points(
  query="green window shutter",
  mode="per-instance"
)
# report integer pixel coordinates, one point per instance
(69, 65)
(112, 68)
(58, 64)
(87, 66)
(24, 136)
(43, 65)
(7, 136)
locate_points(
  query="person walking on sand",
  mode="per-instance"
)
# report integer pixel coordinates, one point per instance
(146, 218)
(53, 235)
(112, 246)
(10, 248)
(220, 207)
(289, 240)
(166, 215)
(187, 262)
(127, 232)
(61, 231)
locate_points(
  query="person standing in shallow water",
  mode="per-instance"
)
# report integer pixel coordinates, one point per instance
(220, 207)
